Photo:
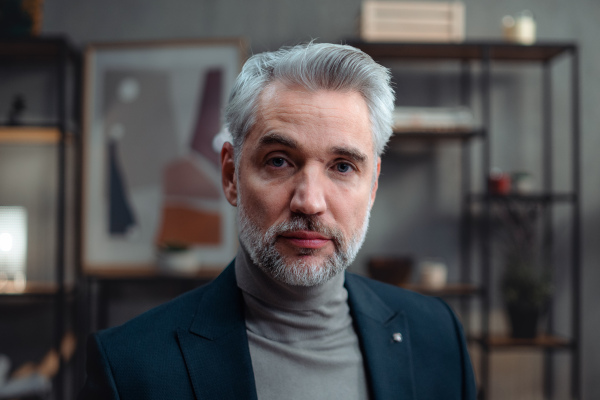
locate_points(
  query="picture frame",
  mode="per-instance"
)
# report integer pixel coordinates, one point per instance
(152, 132)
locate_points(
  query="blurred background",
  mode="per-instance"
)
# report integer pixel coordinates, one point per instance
(488, 194)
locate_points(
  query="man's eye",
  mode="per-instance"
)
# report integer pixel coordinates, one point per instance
(277, 162)
(343, 167)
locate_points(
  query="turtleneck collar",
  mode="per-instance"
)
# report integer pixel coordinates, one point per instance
(292, 314)
(253, 281)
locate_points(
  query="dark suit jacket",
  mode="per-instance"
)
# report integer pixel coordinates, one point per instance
(195, 347)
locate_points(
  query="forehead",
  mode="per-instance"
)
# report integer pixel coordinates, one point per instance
(322, 115)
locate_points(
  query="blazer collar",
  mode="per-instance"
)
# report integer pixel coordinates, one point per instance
(215, 347)
(388, 361)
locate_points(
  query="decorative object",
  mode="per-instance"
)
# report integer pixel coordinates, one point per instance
(526, 295)
(177, 258)
(499, 182)
(520, 29)
(152, 173)
(34, 379)
(433, 274)
(521, 182)
(19, 18)
(13, 248)
(399, 21)
(526, 285)
(16, 110)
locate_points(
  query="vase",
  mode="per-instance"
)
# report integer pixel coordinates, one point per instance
(523, 321)
(185, 261)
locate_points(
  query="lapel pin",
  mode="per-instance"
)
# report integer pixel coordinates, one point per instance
(397, 337)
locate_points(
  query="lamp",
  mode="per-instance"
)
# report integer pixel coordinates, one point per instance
(13, 248)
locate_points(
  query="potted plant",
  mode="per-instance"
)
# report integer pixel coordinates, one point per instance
(526, 291)
(526, 284)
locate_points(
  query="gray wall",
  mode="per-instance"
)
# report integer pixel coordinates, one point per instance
(416, 211)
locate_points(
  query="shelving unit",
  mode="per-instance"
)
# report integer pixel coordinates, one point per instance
(55, 56)
(486, 53)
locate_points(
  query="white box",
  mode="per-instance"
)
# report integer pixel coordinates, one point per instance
(385, 21)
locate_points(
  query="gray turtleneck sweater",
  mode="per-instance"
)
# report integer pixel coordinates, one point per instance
(302, 342)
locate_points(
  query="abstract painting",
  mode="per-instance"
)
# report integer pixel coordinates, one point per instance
(152, 131)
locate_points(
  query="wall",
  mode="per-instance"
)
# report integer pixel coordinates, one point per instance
(416, 210)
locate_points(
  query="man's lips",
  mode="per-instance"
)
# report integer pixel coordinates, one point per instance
(306, 239)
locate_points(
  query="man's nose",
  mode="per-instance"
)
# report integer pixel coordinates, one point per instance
(309, 194)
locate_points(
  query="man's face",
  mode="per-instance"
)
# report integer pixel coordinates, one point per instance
(305, 182)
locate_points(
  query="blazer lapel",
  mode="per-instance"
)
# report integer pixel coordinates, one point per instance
(215, 347)
(387, 355)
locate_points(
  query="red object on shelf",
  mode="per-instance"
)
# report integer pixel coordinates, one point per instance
(499, 183)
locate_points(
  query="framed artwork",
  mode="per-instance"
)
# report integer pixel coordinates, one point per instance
(152, 138)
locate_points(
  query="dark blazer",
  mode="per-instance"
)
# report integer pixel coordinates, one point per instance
(195, 347)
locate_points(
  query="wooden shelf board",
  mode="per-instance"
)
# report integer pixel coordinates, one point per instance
(29, 134)
(33, 288)
(34, 48)
(150, 273)
(533, 197)
(506, 342)
(469, 50)
(435, 135)
(451, 289)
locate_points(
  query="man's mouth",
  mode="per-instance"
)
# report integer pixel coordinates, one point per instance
(306, 239)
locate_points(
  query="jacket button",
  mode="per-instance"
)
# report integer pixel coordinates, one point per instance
(397, 337)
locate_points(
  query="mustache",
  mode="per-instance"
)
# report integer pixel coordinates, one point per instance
(300, 222)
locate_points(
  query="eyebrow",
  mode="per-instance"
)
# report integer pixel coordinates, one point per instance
(274, 138)
(351, 153)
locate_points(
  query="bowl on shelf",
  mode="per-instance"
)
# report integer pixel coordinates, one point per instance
(392, 270)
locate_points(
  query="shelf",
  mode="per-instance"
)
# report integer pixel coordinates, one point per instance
(33, 49)
(150, 274)
(33, 288)
(470, 50)
(507, 342)
(29, 135)
(452, 289)
(525, 198)
(436, 135)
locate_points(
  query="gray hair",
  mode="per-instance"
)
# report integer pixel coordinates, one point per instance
(312, 66)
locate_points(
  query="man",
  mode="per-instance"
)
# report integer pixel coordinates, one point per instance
(284, 321)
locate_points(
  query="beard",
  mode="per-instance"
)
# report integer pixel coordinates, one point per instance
(262, 249)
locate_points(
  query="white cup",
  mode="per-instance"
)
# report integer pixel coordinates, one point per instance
(433, 274)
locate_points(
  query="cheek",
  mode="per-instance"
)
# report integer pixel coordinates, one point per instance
(350, 208)
(262, 202)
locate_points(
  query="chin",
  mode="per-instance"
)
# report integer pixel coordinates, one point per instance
(303, 270)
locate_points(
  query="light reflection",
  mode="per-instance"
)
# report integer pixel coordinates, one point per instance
(13, 249)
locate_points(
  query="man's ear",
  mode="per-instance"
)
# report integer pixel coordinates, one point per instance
(228, 174)
(376, 182)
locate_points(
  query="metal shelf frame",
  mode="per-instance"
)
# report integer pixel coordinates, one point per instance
(58, 53)
(486, 53)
